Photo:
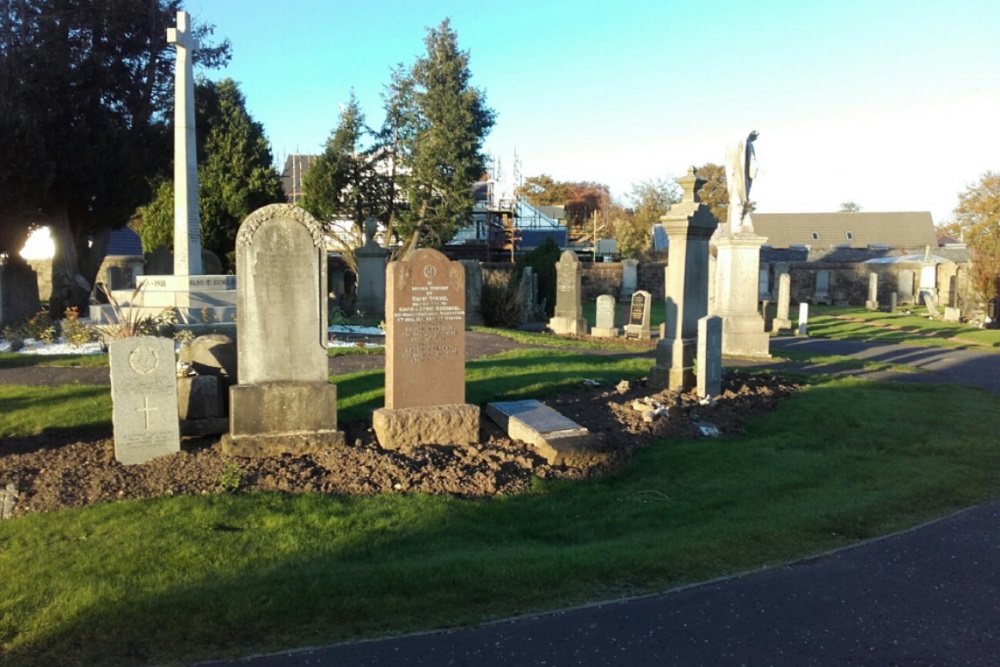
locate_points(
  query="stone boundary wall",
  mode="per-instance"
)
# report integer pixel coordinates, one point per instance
(600, 277)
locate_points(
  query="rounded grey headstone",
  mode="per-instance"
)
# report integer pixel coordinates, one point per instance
(211, 354)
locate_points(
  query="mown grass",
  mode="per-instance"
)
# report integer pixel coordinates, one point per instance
(898, 328)
(15, 360)
(657, 313)
(191, 578)
(33, 410)
(552, 340)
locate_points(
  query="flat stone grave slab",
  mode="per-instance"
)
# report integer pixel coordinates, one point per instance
(556, 437)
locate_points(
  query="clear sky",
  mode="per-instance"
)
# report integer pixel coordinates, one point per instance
(894, 105)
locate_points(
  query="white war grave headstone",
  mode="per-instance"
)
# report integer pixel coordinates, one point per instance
(284, 402)
(425, 355)
(803, 329)
(605, 327)
(144, 398)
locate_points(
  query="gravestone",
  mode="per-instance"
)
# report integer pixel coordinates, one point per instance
(568, 312)
(284, 402)
(822, 293)
(803, 320)
(638, 316)
(371, 259)
(528, 291)
(893, 298)
(606, 326)
(203, 398)
(709, 356)
(18, 291)
(872, 302)
(904, 287)
(782, 321)
(630, 279)
(931, 302)
(144, 398)
(952, 314)
(689, 225)
(473, 292)
(764, 284)
(425, 355)
(556, 437)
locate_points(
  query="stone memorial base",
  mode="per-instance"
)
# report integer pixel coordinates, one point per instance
(604, 332)
(399, 428)
(198, 300)
(556, 437)
(674, 367)
(201, 405)
(569, 325)
(871, 305)
(635, 331)
(744, 336)
(271, 419)
(781, 324)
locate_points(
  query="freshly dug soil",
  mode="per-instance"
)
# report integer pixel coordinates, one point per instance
(54, 471)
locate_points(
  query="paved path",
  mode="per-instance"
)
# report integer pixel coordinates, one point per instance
(928, 596)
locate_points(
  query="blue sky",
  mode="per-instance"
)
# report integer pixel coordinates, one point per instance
(893, 105)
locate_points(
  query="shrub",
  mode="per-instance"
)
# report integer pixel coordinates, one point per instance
(501, 301)
(543, 260)
(42, 328)
(74, 331)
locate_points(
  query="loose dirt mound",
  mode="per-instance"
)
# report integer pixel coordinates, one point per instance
(54, 472)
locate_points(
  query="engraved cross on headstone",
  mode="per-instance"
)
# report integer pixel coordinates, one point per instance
(146, 410)
(187, 221)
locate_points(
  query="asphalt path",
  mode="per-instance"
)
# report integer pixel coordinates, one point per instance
(927, 596)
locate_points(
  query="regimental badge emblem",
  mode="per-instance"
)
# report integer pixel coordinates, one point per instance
(143, 360)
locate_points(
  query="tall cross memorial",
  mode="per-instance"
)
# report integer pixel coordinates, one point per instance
(187, 221)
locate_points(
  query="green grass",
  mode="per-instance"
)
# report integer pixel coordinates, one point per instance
(898, 328)
(15, 360)
(192, 578)
(351, 351)
(657, 313)
(843, 362)
(512, 375)
(69, 408)
(552, 340)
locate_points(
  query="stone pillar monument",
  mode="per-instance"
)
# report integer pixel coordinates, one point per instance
(371, 258)
(187, 221)
(568, 317)
(689, 226)
(738, 267)
(782, 321)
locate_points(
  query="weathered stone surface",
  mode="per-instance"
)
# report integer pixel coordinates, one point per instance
(8, 501)
(782, 321)
(436, 424)
(822, 293)
(736, 287)
(425, 331)
(473, 292)
(803, 329)
(371, 259)
(144, 398)
(284, 402)
(638, 316)
(872, 302)
(630, 278)
(211, 354)
(557, 438)
(200, 397)
(606, 327)
(709, 356)
(568, 311)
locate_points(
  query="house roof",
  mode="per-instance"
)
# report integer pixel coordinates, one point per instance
(125, 242)
(914, 229)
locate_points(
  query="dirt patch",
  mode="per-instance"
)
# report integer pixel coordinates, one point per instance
(54, 471)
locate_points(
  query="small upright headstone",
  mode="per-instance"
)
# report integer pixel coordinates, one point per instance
(425, 355)
(904, 285)
(144, 398)
(568, 312)
(709, 356)
(284, 402)
(528, 291)
(803, 319)
(782, 321)
(822, 293)
(630, 278)
(893, 298)
(606, 326)
(473, 292)
(952, 314)
(931, 302)
(638, 316)
(872, 302)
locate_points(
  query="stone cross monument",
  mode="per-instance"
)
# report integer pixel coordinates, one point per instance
(187, 222)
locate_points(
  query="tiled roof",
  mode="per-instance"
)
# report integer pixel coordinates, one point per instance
(855, 230)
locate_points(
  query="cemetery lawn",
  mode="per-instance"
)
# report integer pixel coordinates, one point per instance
(854, 323)
(194, 577)
(15, 360)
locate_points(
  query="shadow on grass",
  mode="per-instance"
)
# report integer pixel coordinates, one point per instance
(829, 467)
(15, 360)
